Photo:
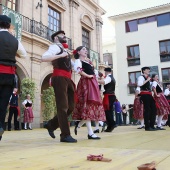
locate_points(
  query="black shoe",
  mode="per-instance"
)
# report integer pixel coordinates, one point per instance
(51, 132)
(1, 131)
(160, 128)
(25, 129)
(142, 127)
(9, 129)
(91, 137)
(96, 131)
(110, 129)
(0, 138)
(68, 139)
(30, 128)
(151, 129)
(76, 126)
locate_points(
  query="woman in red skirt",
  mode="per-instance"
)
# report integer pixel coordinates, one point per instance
(161, 102)
(138, 109)
(89, 105)
(28, 113)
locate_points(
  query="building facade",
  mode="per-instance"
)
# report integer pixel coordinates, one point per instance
(142, 39)
(36, 20)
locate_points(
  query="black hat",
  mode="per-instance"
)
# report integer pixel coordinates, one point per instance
(144, 68)
(108, 69)
(4, 18)
(56, 33)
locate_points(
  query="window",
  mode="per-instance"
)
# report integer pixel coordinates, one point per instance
(133, 78)
(142, 21)
(166, 74)
(131, 26)
(54, 19)
(163, 19)
(85, 38)
(164, 47)
(151, 19)
(133, 51)
(10, 3)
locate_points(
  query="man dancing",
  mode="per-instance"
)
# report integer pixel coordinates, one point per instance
(63, 86)
(147, 99)
(109, 98)
(9, 47)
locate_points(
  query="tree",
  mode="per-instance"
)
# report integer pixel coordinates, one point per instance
(28, 86)
(48, 99)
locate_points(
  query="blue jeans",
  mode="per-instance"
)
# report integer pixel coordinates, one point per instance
(118, 118)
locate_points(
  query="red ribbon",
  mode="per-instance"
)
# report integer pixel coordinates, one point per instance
(95, 157)
(75, 52)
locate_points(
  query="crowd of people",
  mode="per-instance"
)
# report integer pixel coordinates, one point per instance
(84, 102)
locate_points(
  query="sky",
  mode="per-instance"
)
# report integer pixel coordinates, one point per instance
(115, 7)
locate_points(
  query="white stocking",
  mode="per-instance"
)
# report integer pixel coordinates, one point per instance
(25, 126)
(30, 125)
(81, 123)
(159, 120)
(101, 123)
(89, 128)
(141, 122)
(96, 125)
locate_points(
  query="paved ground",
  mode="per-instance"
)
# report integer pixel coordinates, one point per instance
(126, 146)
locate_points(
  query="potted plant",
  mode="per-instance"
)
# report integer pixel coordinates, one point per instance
(28, 86)
(49, 109)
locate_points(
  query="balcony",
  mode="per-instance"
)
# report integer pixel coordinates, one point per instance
(26, 24)
(133, 61)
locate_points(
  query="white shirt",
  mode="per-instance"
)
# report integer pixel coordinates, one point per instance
(77, 66)
(154, 84)
(138, 89)
(141, 81)
(25, 101)
(107, 79)
(167, 92)
(21, 50)
(54, 49)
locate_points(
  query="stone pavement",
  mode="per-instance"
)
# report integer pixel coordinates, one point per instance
(127, 146)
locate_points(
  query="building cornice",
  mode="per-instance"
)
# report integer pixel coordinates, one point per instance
(143, 11)
(96, 6)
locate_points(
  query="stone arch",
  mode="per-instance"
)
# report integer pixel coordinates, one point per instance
(87, 20)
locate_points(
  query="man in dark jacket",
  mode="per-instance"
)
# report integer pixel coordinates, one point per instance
(9, 47)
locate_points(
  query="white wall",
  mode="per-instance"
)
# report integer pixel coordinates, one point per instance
(148, 37)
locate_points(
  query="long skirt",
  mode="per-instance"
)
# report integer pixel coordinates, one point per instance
(89, 103)
(28, 115)
(138, 109)
(162, 105)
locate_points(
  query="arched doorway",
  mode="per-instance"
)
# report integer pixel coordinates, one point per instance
(44, 86)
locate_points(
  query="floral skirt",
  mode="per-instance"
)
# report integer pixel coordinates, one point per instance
(163, 107)
(28, 115)
(89, 103)
(138, 109)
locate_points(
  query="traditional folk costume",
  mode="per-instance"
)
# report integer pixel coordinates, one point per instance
(64, 90)
(28, 113)
(138, 108)
(167, 95)
(13, 110)
(148, 102)
(9, 46)
(161, 104)
(89, 105)
(109, 99)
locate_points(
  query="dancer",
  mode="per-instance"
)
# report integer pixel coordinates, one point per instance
(167, 95)
(147, 99)
(161, 102)
(138, 108)
(109, 98)
(13, 110)
(63, 87)
(28, 113)
(89, 106)
(9, 47)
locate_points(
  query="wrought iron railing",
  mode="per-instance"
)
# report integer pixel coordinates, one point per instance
(39, 29)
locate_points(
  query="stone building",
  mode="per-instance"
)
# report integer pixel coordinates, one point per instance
(36, 20)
